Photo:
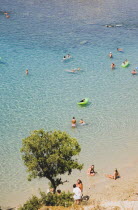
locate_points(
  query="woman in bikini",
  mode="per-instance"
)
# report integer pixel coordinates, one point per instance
(91, 171)
(115, 176)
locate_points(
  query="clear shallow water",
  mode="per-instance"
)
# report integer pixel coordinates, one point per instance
(37, 36)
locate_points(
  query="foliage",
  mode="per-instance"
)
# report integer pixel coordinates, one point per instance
(50, 154)
(50, 199)
(64, 199)
(33, 203)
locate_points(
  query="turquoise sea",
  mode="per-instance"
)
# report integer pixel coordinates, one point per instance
(36, 37)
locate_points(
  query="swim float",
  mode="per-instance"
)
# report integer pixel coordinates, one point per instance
(83, 101)
(126, 64)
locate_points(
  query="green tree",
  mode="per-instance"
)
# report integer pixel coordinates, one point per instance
(50, 154)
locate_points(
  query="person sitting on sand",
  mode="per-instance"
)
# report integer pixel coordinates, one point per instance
(91, 171)
(82, 122)
(133, 72)
(115, 176)
(112, 66)
(110, 55)
(73, 122)
(120, 49)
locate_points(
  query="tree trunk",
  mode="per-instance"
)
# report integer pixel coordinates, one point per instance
(53, 184)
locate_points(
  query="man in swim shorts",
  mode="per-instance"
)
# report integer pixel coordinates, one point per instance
(73, 122)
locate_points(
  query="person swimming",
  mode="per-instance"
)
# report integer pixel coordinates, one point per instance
(74, 70)
(82, 122)
(66, 57)
(120, 49)
(6, 14)
(134, 72)
(78, 69)
(110, 55)
(27, 72)
(113, 66)
(109, 26)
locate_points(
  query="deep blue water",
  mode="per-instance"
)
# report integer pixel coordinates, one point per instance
(36, 37)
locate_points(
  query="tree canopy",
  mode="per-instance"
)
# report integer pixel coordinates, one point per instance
(50, 154)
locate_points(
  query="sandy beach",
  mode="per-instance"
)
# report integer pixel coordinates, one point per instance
(120, 194)
(106, 192)
(124, 188)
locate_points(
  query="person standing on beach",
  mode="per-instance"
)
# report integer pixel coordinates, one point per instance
(77, 194)
(73, 122)
(80, 185)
